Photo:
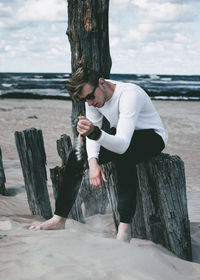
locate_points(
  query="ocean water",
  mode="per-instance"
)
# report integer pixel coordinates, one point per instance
(53, 85)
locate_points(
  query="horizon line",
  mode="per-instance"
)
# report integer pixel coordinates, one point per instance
(35, 72)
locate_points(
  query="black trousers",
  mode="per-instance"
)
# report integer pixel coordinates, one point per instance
(144, 145)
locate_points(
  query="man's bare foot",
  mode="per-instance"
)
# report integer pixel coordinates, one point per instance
(124, 232)
(56, 222)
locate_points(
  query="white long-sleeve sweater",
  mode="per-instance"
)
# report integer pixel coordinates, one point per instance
(129, 109)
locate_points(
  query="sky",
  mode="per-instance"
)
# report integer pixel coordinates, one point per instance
(146, 36)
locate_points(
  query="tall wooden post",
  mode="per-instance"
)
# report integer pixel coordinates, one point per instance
(89, 40)
(88, 34)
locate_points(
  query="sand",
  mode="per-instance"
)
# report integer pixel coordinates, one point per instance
(88, 251)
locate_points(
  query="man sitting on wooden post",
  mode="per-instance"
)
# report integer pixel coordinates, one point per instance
(137, 134)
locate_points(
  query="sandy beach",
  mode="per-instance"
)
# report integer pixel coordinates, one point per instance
(88, 251)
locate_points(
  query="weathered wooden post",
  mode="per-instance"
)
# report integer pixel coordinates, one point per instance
(161, 213)
(88, 36)
(163, 198)
(30, 147)
(89, 40)
(2, 176)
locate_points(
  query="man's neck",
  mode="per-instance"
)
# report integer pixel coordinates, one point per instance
(111, 89)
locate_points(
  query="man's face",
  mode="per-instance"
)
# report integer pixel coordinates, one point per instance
(94, 96)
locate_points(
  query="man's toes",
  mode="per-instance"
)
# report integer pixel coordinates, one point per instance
(34, 227)
(31, 227)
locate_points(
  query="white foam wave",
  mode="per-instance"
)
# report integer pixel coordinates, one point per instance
(175, 98)
(154, 76)
(6, 85)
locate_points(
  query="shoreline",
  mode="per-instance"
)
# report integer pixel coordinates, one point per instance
(24, 95)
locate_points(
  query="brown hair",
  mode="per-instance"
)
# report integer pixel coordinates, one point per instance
(82, 76)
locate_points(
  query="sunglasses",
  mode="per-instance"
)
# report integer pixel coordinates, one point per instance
(90, 96)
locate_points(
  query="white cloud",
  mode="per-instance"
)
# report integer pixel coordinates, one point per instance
(15, 14)
(164, 11)
(159, 32)
(32, 32)
(53, 28)
(42, 10)
(55, 39)
(7, 48)
(114, 42)
(119, 5)
(113, 29)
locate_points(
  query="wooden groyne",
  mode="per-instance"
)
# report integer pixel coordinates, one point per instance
(161, 214)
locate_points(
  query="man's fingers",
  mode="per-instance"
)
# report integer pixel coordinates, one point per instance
(81, 125)
(96, 183)
(81, 131)
(92, 182)
(103, 176)
(99, 185)
(84, 127)
(84, 122)
(81, 117)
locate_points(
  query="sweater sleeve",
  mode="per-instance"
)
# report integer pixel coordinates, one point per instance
(130, 105)
(96, 118)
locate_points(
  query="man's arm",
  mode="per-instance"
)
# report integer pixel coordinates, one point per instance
(130, 106)
(96, 118)
(95, 171)
(85, 127)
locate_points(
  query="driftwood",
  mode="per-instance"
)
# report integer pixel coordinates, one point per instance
(2, 176)
(30, 147)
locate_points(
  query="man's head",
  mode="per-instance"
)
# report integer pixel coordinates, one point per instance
(81, 78)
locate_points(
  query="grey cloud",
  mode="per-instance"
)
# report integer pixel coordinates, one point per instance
(4, 13)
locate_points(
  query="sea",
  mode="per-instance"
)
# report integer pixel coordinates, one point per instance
(53, 85)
